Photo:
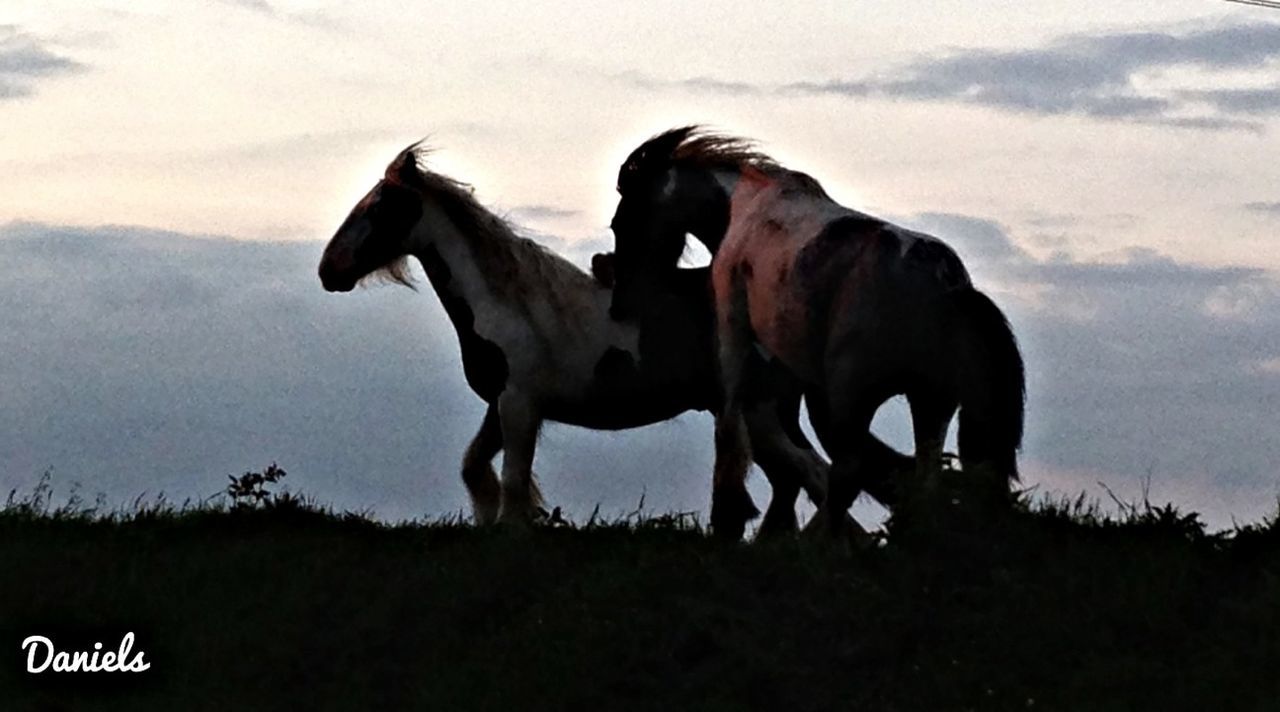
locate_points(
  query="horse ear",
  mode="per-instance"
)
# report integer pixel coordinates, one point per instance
(404, 170)
(392, 174)
(408, 169)
(636, 167)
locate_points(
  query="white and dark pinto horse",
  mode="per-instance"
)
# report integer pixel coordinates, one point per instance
(538, 343)
(858, 309)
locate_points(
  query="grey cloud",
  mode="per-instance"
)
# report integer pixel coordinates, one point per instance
(318, 19)
(1091, 75)
(139, 361)
(979, 238)
(1064, 220)
(1140, 268)
(543, 212)
(1085, 75)
(1244, 101)
(1110, 221)
(23, 59)
(844, 88)
(1209, 123)
(640, 80)
(1238, 45)
(1142, 365)
(261, 6)
(1272, 208)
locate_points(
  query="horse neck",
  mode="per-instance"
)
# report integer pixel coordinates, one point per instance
(466, 251)
(710, 195)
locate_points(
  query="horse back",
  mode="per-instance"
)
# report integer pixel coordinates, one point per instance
(871, 283)
(809, 267)
(779, 252)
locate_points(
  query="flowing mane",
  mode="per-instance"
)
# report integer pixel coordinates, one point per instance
(698, 147)
(512, 265)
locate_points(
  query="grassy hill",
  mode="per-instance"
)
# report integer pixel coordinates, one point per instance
(280, 605)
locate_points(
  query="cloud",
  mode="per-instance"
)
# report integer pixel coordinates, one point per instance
(23, 59)
(1269, 208)
(261, 6)
(318, 19)
(1244, 101)
(1062, 221)
(543, 212)
(1140, 365)
(1095, 76)
(143, 360)
(1087, 75)
(640, 80)
(984, 240)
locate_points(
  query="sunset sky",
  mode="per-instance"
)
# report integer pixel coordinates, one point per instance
(1109, 171)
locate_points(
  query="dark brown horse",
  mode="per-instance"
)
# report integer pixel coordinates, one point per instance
(538, 344)
(855, 308)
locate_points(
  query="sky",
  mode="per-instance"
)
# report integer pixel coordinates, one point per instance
(170, 171)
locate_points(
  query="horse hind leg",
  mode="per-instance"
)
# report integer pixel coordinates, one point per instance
(791, 464)
(930, 417)
(731, 505)
(477, 468)
(847, 417)
(519, 499)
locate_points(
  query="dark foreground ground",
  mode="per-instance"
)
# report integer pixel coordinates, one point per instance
(285, 607)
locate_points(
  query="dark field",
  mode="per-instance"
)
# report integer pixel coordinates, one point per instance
(281, 606)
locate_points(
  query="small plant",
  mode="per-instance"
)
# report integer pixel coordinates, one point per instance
(35, 504)
(250, 489)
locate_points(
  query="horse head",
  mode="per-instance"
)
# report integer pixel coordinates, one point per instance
(676, 184)
(375, 237)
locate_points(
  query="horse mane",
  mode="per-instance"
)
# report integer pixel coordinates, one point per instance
(697, 146)
(511, 265)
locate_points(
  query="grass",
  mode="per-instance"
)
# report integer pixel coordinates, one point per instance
(271, 602)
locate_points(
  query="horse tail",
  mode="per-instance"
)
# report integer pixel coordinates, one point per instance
(992, 384)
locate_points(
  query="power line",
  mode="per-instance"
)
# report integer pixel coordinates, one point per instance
(1273, 4)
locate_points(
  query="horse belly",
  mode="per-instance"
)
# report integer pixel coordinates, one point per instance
(605, 379)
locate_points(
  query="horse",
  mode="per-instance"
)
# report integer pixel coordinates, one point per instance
(538, 343)
(859, 310)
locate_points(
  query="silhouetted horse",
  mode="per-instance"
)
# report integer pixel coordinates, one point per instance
(856, 308)
(538, 344)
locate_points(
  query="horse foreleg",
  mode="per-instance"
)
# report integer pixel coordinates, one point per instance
(477, 468)
(731, 505)
(784, 464)
(520, 498)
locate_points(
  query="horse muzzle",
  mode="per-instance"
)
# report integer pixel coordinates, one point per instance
(335, 280)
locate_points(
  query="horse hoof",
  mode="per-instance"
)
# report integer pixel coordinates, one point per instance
(777, 527)
(846, 532)
(730, 512)
(516, 518)
(728, 525)
(484, 516)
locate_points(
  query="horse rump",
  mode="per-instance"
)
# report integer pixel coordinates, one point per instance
(991, 385)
